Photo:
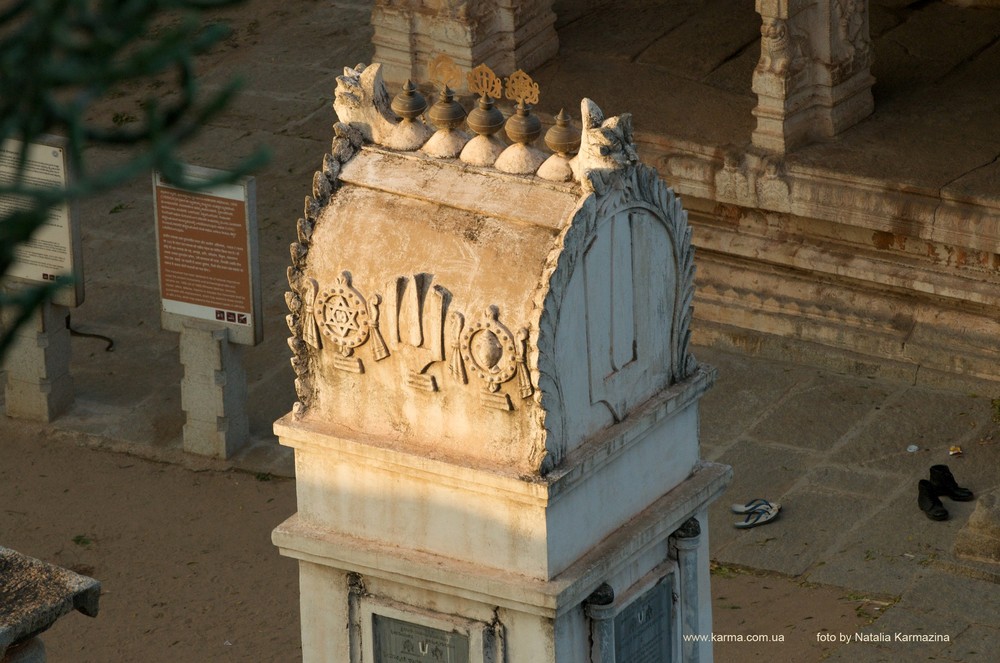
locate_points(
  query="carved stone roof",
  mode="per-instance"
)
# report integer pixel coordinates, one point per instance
(496, 320)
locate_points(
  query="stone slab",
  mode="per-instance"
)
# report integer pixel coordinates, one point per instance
(928, 418)
(884, 552)
(624, 30)
(798, 539)
(739, 400)
(719, 32)
(820, 413)
(34, 594)
(979, 539)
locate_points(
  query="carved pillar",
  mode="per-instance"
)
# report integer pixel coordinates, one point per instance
(813, 79)
(505, 34)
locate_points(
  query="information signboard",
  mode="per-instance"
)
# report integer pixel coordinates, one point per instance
(206, 244)
(54, 248)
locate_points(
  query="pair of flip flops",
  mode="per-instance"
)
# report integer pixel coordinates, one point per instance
(757, 511)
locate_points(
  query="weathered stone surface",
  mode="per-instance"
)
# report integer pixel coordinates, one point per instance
(33, 595)
(980, 538)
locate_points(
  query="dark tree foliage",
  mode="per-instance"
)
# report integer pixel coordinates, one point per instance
(57, 59)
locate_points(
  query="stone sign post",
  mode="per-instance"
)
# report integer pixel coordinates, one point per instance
(38, 382)
(210, 291)
(496, 437)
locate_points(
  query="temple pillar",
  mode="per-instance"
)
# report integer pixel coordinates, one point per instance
(813, 79)
(505, 34)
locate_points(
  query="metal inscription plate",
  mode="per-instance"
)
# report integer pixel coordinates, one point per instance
(642, 630)
(397, 641)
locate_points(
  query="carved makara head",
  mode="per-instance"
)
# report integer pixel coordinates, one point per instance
(605, 143)
(362, 101)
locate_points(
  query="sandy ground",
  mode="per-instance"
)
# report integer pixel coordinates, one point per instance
(184, 557)
(188, 571)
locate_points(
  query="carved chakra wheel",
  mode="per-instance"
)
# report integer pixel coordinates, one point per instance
(490, 350)
(342, 315)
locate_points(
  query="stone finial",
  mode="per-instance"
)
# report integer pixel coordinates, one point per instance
(564, 140)
(411, 132)
(486, 120)
(447, 114)
(606, 147)
(409, 104)
(522, 127)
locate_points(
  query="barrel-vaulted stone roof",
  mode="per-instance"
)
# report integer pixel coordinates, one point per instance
(496, 319)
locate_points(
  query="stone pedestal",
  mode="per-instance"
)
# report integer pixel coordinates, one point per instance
(813, 79)
(505, 34)
(496, 437)
(213, 391)
(38, 383)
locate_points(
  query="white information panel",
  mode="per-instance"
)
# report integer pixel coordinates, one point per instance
(54, 249)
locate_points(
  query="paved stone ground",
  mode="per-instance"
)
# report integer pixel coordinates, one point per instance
(830, 447)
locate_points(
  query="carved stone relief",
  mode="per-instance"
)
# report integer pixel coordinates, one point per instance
(347, 321)
(495, 356)
(782, 51)
(418, 309)
(301, 299)
(417, 323)
(606, 147)
(855, 47)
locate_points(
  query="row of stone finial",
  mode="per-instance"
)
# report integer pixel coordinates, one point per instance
(362, 100)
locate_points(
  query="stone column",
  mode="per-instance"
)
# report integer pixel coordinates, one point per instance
(38, 384)
(505, 34)
(600, 609)
(687, 540)
(813, 79)
(213, 391)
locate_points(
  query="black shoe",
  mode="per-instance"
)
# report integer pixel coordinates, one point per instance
(945, 485)
(928, 501)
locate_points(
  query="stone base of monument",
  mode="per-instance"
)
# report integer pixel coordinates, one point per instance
(403, 603)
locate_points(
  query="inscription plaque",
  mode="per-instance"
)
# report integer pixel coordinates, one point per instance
(397, 641)
(642, 630)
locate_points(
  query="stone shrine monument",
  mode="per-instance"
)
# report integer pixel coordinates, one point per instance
(496, 437)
